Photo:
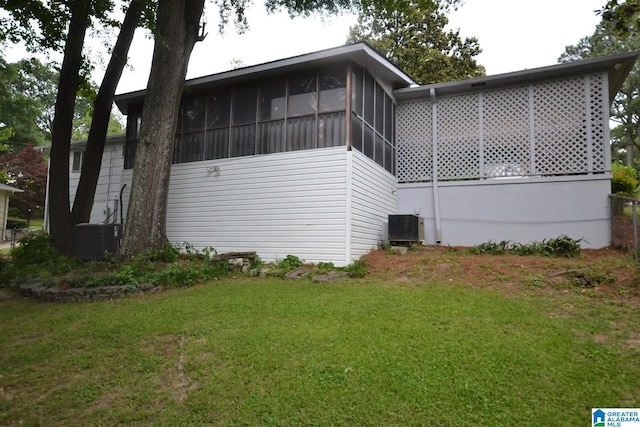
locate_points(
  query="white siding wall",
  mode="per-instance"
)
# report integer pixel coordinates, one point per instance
(520, 209)
(277, 204)
(108, 188)
(373, 198)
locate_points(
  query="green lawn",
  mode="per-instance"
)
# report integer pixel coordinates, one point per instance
(281, 353)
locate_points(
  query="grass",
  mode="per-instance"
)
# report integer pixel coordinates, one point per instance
(272, 352)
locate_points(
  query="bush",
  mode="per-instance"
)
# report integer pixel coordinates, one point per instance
(624, 180)
(491, 248)
(357, 268)
(35, 249)
(290, 262)
(562, 246)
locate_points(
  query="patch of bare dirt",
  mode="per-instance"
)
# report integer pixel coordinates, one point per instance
(602, 271)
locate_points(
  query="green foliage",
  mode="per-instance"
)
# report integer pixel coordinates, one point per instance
(624, 16)
(358, 268)
(562, 246)
(624, 180)
(34, 249)
(325, 267)
(35, 258)
(605, 40)
(290, 262)
(27, 171)
(491, 248)
(412, 35)
(385, 246)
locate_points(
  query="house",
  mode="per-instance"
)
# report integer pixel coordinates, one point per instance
(5, 193)
(309, 155)
(106, 202)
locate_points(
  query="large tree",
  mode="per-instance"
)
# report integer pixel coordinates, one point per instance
(62, 26)
(177, 31)
(100, 121)
(622, 15)
(27, 97)
(412, 35)
(626, 106)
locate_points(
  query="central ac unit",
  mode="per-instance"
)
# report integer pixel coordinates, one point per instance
(406, 229)
(91, 241)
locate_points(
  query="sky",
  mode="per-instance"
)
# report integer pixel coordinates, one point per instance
(514, 35)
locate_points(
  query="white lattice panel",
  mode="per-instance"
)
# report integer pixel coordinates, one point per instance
(550, 128)
(560, 122)
(414, 142)
(598, 115)
(458, 137)
(506, 146)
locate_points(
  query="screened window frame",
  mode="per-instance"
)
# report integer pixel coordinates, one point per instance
(371, 132)
(319, 127)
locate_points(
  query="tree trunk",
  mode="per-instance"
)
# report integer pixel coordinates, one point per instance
(101, 114)
(176, 34)
(60, 221)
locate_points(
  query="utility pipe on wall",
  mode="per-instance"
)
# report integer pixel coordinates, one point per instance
(434, 160)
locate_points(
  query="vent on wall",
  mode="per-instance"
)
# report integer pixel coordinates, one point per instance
(405, 229)
(91, 241)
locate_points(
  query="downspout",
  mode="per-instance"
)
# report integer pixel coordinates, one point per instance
(434, 159)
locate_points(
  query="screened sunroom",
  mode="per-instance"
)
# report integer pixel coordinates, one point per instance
(291, 157)
(298, 110)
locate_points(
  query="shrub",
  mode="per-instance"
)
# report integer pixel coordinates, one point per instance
(357, 268)
(491, 248)
(562, 246)
(624, 180)
(290, 262)
(35, 249)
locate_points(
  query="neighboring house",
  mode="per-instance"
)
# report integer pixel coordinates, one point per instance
(106, 203)
(5, 193)
(309, 155)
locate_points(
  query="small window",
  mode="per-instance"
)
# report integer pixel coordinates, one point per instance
(78, 161)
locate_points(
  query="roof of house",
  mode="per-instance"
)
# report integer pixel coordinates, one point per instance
(111, 139)
(5, 187)
(618, 67)
(360, 53)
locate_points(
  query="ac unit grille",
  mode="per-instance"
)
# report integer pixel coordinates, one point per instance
(406, 229)
(91, 241)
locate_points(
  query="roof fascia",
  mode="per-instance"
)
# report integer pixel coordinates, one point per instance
(617, 66)
(360, 53)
